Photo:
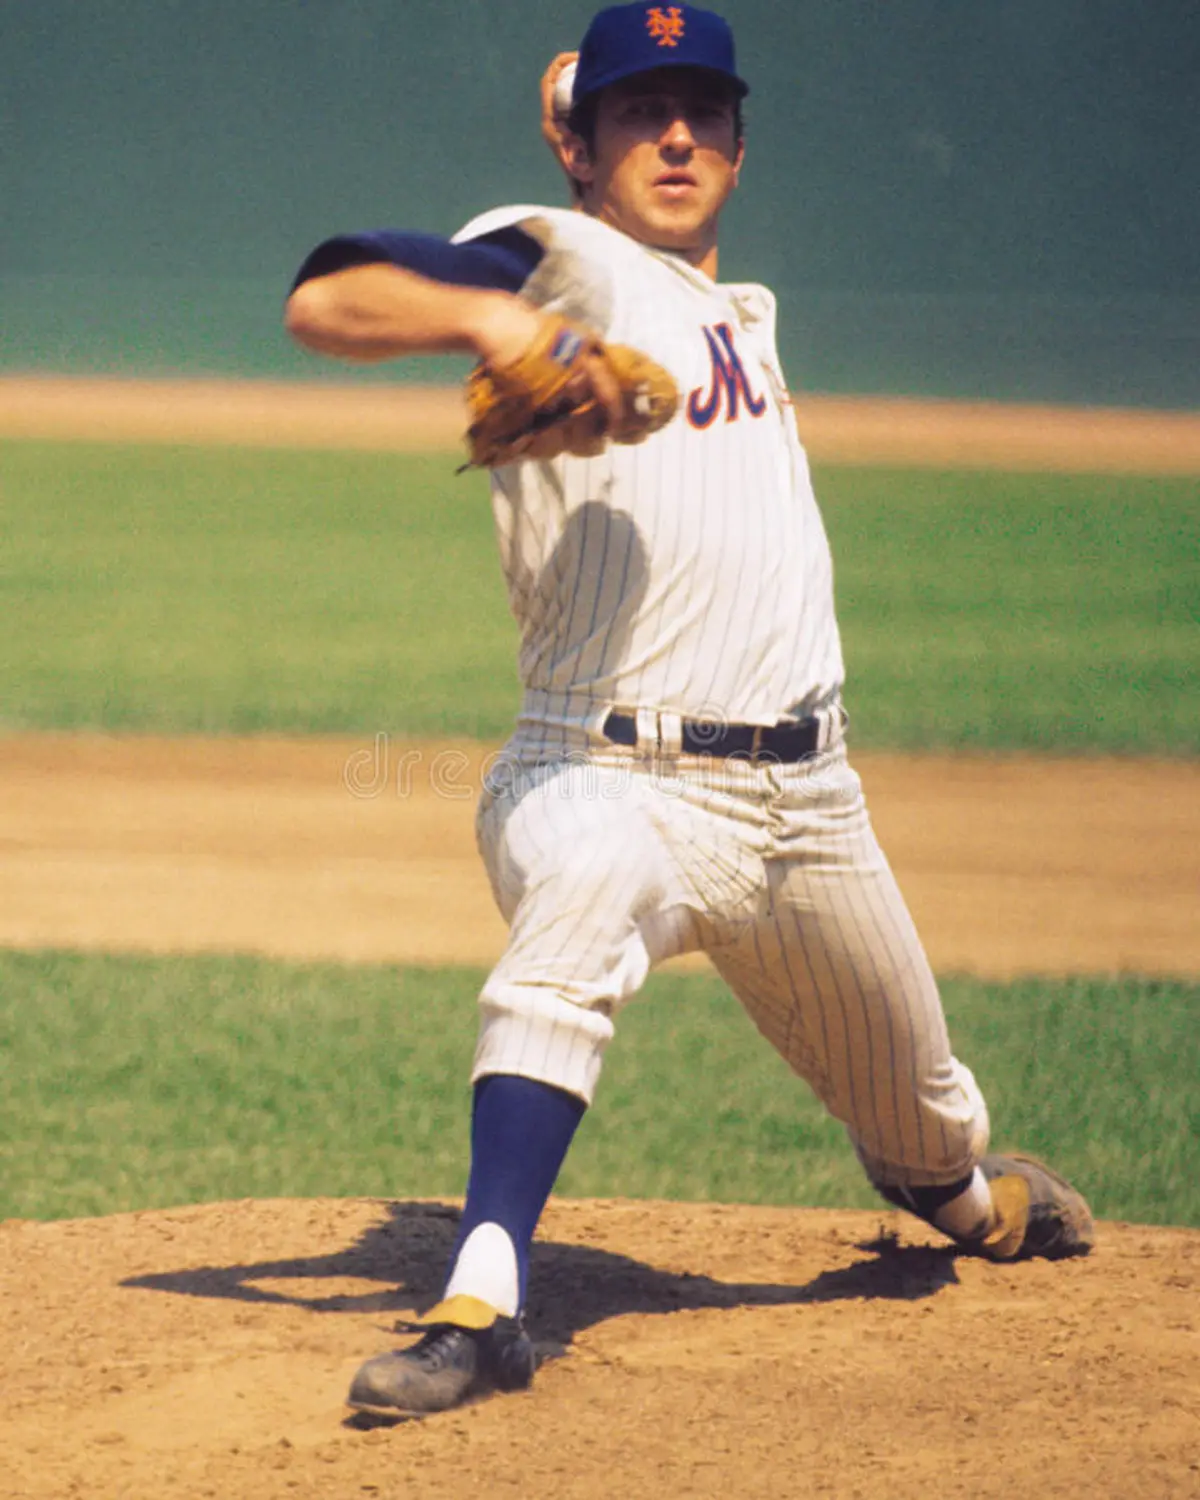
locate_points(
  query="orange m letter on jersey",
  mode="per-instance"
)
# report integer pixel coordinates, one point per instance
(728, 380)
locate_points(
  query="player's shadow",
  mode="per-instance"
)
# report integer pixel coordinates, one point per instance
(572, 1286)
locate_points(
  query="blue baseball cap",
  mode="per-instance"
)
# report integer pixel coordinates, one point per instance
(628, 39)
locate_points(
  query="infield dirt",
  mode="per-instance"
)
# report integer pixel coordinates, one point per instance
(204, 1351)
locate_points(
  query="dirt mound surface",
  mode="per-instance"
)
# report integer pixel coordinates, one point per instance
(709, 1350)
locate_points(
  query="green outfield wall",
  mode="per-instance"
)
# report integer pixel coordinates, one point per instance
(949, 197)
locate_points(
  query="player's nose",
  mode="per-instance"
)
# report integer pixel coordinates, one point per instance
(677, 135)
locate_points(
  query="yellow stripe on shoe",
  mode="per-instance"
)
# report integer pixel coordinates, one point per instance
(1010, 1200)
(459, 1311)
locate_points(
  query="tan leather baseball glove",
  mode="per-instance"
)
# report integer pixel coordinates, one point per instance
(568, 393)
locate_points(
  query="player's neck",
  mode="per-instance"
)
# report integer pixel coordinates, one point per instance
(703, 257)
(703, 260)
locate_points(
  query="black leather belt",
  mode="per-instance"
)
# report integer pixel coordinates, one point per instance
(783, 743)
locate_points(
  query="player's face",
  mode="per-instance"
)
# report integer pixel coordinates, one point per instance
(665, 159)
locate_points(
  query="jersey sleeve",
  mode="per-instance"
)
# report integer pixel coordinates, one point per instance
(557, 259)
(579, 268)
(502, 259)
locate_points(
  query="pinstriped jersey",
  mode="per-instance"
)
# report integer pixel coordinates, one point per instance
(690, 573)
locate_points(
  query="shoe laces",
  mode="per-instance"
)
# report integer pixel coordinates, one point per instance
(439, 1347)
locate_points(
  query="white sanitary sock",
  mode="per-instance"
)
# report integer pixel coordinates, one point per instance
(486, 1268)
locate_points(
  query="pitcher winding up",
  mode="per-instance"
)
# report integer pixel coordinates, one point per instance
(678, 777)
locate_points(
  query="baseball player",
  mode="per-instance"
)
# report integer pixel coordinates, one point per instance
(678, 776)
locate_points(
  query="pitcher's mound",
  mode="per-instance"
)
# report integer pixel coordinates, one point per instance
(711, 1351)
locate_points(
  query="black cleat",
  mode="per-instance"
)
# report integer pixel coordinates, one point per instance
(1038, 1213)
(448, 1367)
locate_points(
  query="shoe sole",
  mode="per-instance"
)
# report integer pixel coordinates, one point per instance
(381, 1415)
(363, 1416)
(387, 1412)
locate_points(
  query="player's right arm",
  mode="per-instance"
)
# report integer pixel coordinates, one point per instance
(554, 117)
(384, 295)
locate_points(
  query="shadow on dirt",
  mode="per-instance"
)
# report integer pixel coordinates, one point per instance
(572, 1286)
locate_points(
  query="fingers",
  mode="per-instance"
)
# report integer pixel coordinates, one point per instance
(607, 390)
(593, 381)
(552, 117)
(553, 120)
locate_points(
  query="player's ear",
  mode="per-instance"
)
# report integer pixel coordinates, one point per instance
(739, 157)
(577, 159)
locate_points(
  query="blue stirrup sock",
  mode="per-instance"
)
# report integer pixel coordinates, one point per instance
(520, 1133)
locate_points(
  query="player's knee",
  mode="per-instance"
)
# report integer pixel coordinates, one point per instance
(536, 1031)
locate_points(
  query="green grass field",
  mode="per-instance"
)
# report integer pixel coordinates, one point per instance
(223, 590)
(148, 1082)
(214, 590)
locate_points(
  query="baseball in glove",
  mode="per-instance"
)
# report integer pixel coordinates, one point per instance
(568, 393)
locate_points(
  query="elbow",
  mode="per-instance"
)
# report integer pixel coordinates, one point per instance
(307, 316)
(332, 315)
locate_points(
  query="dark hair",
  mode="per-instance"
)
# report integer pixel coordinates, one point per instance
(582, 120)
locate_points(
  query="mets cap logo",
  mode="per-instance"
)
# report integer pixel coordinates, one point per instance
(665, 24)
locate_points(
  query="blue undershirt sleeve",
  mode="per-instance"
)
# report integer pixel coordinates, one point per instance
(501, 261)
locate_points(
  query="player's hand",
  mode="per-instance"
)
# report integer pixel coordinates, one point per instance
(505, 327)
(511, 327)
(554, 125)
(566, 392)
(596, 381)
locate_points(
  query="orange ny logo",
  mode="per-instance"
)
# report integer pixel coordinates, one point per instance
(665, 26)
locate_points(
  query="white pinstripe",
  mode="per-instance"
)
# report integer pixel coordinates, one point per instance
(690, 576)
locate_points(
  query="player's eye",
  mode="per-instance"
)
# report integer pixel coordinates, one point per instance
(643, 109)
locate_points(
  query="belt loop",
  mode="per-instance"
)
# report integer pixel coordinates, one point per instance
(756, 742)
(647, 732)
(670, 734)
(831, 722)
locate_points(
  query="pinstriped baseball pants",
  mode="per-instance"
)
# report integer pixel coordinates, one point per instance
(605, 864)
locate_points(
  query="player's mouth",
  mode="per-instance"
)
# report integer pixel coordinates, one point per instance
(675, 183)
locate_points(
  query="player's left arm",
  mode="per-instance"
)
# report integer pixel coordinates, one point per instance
(386, 293)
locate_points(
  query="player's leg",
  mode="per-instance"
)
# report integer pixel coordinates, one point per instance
(577, 870)
(473, 1339)
(834, 975)
(866, 1038)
